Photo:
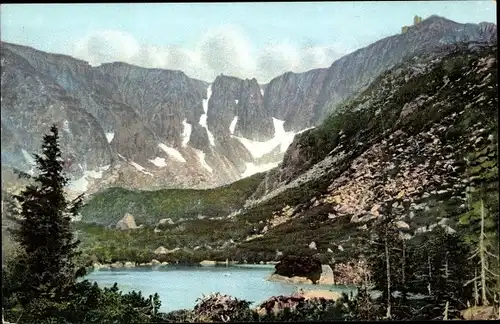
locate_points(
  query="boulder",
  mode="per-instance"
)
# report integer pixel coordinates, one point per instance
(327, 277)
(208, 263)
(168, 221)
(161, 250)
(312, 245)
(173, 250)
(127, 222)
(155, 262)
(129, 264)
(290, 280)
(116, 265)
(480, 313)
(299, 266)
(402, 225)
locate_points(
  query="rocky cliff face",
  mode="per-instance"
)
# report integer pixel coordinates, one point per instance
(305, 99)
(147, 128)
(126, 125)
(291, 97)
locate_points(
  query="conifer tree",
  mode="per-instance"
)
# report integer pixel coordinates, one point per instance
(481, 220)
(46, 269)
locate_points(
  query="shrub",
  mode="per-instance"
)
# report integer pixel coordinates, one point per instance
(217, 307)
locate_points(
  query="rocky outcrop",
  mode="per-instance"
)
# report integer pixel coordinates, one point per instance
(327, 277)
(236, 98)
(354, 72)
(291, 97)
(481, 313)
(208, 263)
(161, 250)
(126, 223)
(299, 266)
(294, 280)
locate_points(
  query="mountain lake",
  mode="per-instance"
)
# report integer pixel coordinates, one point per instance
(180, 287)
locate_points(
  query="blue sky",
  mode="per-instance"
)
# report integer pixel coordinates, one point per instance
(204, 39)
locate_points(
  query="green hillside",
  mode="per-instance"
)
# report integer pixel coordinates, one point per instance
(148, 207)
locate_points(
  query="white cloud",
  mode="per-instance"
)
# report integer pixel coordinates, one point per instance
(224, 49)
(107, 46)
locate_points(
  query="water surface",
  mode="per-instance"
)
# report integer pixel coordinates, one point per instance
(179, 287)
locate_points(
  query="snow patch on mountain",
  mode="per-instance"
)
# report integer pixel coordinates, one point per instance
(232, 127)
(203, 118)
(159, 162)
(140, 168)
(186, 132)
(81, 184)
(281, 138)
(110, 136)
(252, 168)
(172, 152)
(201, 157)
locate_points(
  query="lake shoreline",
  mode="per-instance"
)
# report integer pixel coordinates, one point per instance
(156, 263)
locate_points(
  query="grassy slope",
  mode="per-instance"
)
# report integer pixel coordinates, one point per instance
(148, 207)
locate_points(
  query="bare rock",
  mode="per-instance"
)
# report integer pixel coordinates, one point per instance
(127, 222)
(116, 265)
(327, 277)
(168, 221)
(402, 225)
(290, 280)
(208, 263)
(129, 264)
(161, 250)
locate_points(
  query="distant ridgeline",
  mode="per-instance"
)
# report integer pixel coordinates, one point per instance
(416, 20)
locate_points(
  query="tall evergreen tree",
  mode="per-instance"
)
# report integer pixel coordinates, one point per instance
(441, 264)
(46, 268)
(481, 221)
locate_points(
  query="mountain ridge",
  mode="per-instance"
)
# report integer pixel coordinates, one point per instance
(147, 114)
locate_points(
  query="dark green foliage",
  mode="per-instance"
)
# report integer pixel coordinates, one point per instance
(481, 223)
(441, 270)
(46, 267)
(301, 266)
